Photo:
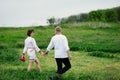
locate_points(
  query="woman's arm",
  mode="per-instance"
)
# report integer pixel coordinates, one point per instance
(35, 45)
(24, 50)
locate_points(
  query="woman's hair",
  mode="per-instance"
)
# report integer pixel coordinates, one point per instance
(29, 32)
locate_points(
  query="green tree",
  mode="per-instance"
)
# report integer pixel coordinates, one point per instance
(72, 18)
(92, 16)
(82, 17)
(111, 15)
(96, 16)
(118, 12)
(51, 21)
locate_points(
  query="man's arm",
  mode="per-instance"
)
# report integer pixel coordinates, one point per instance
(50, 46)
(69, 55)
(67, 48)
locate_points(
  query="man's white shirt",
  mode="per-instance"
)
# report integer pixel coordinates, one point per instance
(60, 44)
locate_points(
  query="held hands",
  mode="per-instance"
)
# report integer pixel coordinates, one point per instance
(42, 53)
(46, 53)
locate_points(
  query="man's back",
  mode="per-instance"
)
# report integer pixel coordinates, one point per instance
(62, 51)
(60, 44)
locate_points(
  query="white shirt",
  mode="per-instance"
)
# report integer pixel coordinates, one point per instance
(30, 43)
(60, 44)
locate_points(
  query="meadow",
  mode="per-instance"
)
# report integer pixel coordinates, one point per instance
(95, 49)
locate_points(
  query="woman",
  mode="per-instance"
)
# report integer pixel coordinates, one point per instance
(30, 46)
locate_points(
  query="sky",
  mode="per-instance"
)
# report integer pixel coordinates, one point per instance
(20, 13)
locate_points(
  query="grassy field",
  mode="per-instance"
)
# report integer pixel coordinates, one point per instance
(95, 50)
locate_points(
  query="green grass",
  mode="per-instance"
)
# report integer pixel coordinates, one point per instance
(80, 38)
(84, 67)
(95, 50)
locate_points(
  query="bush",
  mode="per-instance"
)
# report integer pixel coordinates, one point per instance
(9, 55)
(101, 54)
(85, 77)
(3, 46)
(74, 48)
(111, 15)
(20, 44)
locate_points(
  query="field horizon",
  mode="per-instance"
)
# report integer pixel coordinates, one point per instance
(95, 49)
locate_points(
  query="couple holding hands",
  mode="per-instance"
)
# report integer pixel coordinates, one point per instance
(60, 44)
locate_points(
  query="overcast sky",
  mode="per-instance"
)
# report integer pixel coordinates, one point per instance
(35, 12)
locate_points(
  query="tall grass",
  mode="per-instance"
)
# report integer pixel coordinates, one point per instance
(80, 38)
(95, 51)
(84, 67)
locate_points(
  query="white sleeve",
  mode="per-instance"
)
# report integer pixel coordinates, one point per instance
(35, 45)
(66, 44)
(25, 48)
(50, 46)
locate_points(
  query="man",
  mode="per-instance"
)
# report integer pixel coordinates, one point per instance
(62, 51)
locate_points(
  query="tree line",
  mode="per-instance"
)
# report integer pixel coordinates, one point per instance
(107, 15)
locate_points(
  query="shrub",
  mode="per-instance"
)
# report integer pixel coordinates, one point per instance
(111, 15)
(3, 46)
(101, 54)
(20, 44)
(74, 48)
(9, 55)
